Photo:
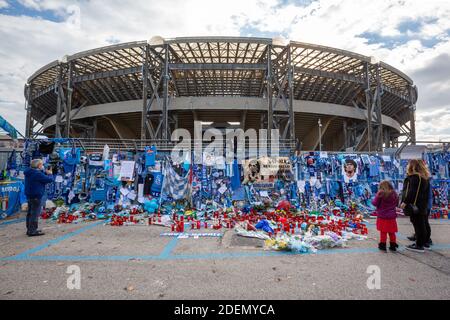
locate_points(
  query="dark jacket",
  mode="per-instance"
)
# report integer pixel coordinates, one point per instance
(430, 195)
(35, 181)
(386, 206)
(410, 186)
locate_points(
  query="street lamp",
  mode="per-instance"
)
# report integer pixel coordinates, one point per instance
(320, 135)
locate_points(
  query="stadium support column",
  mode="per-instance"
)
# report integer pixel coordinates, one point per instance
(368, 105)
(378, 137)
(345, 136)
(28, 107)
(412, 113)
(291, 94)
(373, 93)
(165, 117)
(92, 132)
(144, 92)
(387, 138)
(413, 125)
(269, 94)
(68, 101)
(59, 102)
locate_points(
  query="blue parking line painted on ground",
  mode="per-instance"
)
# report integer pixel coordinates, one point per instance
(440, 246)
(167, 256)
(401, 236)
(9, 222)
(27, 253)
(207, 256)
(441, 221)
(87, 258)
(168, 248)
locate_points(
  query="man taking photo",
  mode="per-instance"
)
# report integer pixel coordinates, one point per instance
(35, 181)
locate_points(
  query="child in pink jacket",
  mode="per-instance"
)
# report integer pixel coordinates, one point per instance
(386, 201)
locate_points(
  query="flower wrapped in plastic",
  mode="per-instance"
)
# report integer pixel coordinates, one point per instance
(279, 244)
(353, 236)
(243, 232)
(326, 241)
(299, 246)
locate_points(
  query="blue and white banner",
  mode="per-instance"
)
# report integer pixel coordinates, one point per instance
(175, 186)
(11, 197)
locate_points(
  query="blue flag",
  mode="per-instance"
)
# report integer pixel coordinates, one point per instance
(236, 178)
(10, 130)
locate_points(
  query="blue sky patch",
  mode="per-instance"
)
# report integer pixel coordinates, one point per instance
(113, 40)
(414, 25)
(430, 43)
(390, 42)
(16, 9)
(298, 3)
(251, 31)
(408, 29)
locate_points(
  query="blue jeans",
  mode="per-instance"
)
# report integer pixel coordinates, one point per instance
(34, 211)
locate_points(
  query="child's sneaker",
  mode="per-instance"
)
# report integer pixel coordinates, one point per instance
(382, 246)
(393, 247)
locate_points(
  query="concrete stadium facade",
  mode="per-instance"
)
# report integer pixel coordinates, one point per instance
(144, 90)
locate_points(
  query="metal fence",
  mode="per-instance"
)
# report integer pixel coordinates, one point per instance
(285, 147)
(96, 145)
(5, 153)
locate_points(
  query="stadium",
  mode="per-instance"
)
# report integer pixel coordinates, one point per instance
(320, 98)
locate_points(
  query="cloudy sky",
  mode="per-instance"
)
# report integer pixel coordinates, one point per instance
(412, 35)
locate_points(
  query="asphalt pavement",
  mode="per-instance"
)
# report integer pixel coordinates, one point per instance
(136, 262)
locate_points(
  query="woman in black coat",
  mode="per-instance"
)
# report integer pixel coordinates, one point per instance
(416, 191)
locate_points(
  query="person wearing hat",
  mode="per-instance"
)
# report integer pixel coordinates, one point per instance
(35, 181)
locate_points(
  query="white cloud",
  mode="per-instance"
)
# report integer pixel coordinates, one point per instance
(29, 43)
(45, 4)
(3, 4)
(434, 125)
(30, 4)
